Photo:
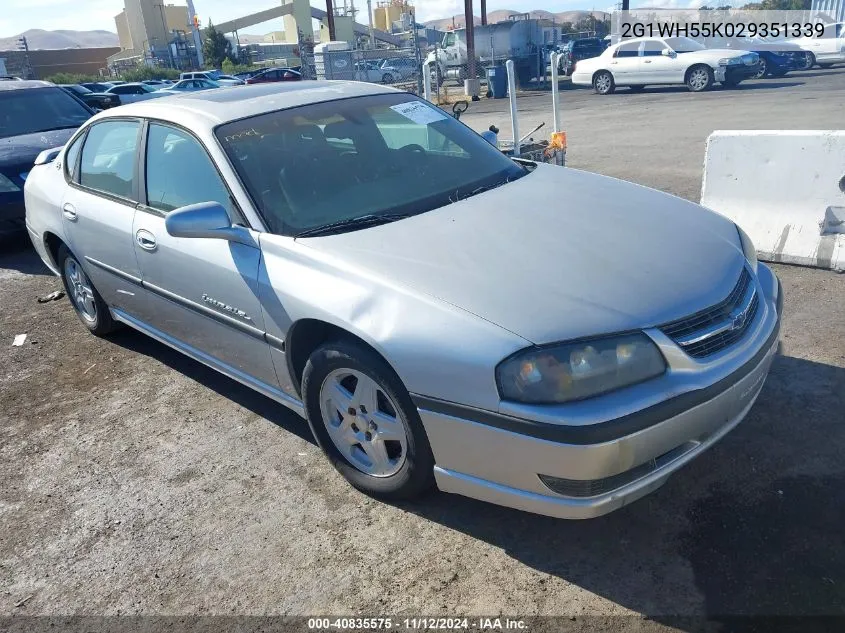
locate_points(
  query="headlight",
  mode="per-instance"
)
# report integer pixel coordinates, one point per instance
(747, 248)
(574, 371)
(7, 186)
(730, 61)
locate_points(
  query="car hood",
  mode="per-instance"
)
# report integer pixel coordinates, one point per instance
(23, 150)
(557, 254)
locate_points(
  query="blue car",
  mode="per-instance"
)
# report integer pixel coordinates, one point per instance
(776, 57)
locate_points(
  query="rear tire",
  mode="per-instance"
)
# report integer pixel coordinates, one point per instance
(699, 78)
(363, 419)
(387, 78)
(86, 301)
(603, 83)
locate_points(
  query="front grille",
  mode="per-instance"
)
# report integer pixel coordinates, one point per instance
(719, 326)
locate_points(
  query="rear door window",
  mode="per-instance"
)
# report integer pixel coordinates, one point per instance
(109, 158)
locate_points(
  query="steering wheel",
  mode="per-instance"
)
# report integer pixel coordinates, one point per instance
(413, 147)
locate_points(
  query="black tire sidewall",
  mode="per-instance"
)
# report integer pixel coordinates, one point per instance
(416, 474)
(103, 324)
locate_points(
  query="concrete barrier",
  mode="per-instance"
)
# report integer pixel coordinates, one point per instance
(785, 188)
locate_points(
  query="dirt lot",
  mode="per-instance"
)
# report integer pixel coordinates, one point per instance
(136, 481)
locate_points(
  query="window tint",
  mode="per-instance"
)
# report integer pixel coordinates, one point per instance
(71, 155)
(108, 157)
(628, 50)
(653, 48)
(180, 172)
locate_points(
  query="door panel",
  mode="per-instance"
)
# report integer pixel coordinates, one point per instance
(98, 215)
(204, 292)
(625, 64)
(658, 68)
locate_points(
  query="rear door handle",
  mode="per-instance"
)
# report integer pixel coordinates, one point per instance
(146, 240)
(69, 212)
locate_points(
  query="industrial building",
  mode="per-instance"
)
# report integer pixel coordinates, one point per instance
(154, 33)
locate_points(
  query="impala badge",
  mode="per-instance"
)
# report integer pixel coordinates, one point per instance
(225, 306)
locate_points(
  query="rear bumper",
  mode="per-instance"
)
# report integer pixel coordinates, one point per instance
(584, 480)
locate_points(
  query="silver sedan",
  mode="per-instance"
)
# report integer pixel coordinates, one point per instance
(537, 337)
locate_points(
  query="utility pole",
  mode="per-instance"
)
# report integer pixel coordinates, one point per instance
(192, 15)
(330, 19)
(469, 18)
(23, 45)
(370, 17)
(483, 12)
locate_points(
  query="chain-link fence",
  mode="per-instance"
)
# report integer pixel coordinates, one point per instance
(398, 67)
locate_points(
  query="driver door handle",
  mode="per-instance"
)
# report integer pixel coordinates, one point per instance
(69, 211)
(146, 240)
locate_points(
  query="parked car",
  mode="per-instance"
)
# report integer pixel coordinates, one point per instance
(191, 85)
(34, 116)
(401, 68)
(154, 83)
(10, 78)
(97, 86)
(776, 58)
(98, 100)
(273, 75)
(130, 93)
(213, 75)
(673, 60)
(366, 260)
(372, 72)
(826, 50)
(576, 50)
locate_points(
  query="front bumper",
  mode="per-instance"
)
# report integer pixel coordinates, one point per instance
(740, 72)
(479, 457)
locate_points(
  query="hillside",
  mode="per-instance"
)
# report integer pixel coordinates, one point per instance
(503, 14)
(40, 39)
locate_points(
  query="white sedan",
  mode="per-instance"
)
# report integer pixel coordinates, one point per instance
(672, 60)
(827, 50)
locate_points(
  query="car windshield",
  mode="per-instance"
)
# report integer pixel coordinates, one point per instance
(39, 110)
(331, 162)
(683, 44)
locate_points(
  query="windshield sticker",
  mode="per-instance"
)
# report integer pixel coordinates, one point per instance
(419, 112)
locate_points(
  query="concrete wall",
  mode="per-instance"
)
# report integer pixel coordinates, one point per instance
(123, 32)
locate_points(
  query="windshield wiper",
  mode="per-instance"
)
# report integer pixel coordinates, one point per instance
(362, 221)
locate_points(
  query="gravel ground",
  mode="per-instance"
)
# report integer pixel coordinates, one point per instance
(137, 481)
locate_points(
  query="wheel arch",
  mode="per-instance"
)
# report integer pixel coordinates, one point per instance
(53, 243)
(306, 335)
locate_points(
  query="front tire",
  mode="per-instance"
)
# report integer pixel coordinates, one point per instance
(603, 83)
(731, 83)
(762, 68)
(699, 78)
(810, 61)
(86, 301)
(387, 78)
(363, 419)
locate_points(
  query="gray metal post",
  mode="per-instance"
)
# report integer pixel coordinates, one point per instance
(555, 92)
(426, 72)
(196, 33)
(512, 98)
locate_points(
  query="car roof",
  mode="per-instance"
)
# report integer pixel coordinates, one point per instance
(221, 105)
(25, 84)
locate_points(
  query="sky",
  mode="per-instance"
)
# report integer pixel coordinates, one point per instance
(17, 16)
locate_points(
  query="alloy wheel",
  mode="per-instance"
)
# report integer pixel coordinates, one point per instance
(81, 290)
(699, 79)
(363, 422)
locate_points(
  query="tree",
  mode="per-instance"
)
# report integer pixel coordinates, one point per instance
(215, 47)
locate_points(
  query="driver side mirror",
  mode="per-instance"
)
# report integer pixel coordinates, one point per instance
(206, 219)
(668, 53)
